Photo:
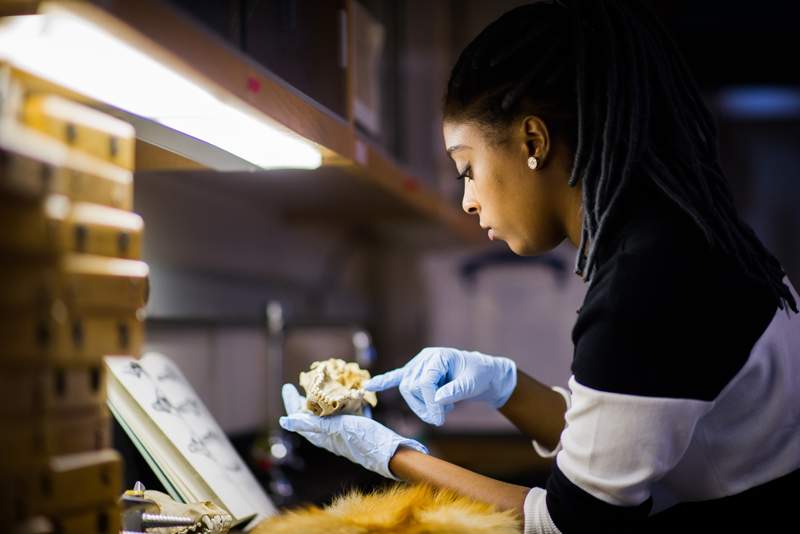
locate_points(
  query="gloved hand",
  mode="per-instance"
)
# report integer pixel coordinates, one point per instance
(437, 377)
(359, 439)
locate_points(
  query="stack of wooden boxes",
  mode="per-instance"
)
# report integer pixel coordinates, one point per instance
(71, 290)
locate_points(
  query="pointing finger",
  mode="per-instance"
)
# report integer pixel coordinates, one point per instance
(385, 381)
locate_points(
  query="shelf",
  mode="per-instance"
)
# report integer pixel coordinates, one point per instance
(355, 172)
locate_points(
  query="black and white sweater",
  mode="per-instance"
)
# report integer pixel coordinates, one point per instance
(685, 389)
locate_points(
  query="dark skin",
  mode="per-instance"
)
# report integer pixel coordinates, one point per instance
(544, 423)
(533, 211)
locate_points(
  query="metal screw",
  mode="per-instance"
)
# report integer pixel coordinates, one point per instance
(162, 521)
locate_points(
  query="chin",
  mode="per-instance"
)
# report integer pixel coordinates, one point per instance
(520, 249)
(531, 249)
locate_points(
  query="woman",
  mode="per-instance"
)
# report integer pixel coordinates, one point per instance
(579, 119)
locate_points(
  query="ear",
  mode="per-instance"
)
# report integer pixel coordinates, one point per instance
(536, 138)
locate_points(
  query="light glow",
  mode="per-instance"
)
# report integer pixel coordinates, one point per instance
(73, 53)
(278, 450)
(760, 102)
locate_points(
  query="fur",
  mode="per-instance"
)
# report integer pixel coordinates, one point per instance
(397, 509)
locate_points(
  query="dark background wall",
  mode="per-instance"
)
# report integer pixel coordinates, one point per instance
(743, 54)
(216, 249)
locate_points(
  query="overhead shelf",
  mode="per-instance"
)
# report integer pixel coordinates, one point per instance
(354, 173)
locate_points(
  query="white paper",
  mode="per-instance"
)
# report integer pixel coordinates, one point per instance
(159, 387)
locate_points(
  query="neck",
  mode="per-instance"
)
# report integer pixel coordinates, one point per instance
(572, 214)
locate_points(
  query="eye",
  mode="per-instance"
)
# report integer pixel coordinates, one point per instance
(466, 173)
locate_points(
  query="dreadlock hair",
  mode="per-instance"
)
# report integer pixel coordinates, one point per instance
(606, 78)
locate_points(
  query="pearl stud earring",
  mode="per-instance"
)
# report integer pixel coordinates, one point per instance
(533, 163)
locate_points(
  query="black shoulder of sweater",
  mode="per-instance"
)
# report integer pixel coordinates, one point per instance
(666, 314)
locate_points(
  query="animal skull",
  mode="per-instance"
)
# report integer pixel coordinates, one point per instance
(334, 387)
(209, 518)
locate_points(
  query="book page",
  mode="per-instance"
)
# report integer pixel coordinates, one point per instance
(162, 391)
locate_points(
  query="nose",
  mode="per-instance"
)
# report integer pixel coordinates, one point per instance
(469, 203)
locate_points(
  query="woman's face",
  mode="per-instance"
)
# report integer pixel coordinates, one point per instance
(531, 210)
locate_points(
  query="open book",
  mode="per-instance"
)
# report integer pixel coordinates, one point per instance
(179, 438)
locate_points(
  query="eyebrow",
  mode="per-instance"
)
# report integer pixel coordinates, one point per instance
(455, 148)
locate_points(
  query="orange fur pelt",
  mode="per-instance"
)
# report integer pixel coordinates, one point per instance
(398, 509)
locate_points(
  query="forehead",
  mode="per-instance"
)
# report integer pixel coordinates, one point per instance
(460, 136)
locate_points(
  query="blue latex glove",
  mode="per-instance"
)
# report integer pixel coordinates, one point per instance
(437, 377)
(359, 439)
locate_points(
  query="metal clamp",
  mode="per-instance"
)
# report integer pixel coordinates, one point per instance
(136, 520)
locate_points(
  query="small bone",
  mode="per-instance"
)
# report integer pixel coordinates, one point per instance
(335, 387)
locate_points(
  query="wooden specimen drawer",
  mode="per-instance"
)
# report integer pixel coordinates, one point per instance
(82, 127)
(58, 225)
(33, 165)
(62, 338)
(70, 484)
(51, 390)
(103, 520)
(77, 281)
(29, 441)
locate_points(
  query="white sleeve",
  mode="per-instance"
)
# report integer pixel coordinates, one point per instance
(542, 451)
(537, 518)
(615, 445)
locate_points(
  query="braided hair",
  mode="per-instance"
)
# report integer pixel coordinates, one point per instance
(608, 80)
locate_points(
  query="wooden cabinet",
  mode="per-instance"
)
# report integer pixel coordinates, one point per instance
(305, 43)
(305, 91)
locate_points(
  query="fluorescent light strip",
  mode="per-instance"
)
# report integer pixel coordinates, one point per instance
(760, 102)
(77, 55)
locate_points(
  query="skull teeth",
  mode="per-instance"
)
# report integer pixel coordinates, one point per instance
(332, 386)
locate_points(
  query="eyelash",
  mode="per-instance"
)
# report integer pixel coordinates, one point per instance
(464, 172)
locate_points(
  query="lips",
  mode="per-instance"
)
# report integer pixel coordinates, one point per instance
(491, 234)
